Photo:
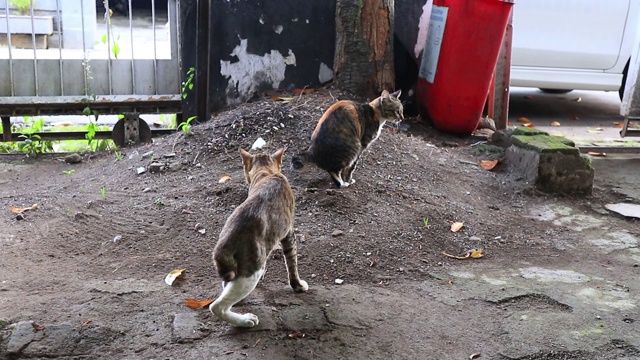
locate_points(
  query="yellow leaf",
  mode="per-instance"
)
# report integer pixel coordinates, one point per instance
(279, 98)
(528, 125)
(555, 123)
(17, 210)
(594, 131)
(488, 164)
(476, 253)
(224, 178)
(197, 304)
(523, 120)
(456, 226)
(173, 275)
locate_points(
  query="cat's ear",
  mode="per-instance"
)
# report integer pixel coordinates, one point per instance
(277, 156)
(384, 94)
(396, 94)
(247, 159)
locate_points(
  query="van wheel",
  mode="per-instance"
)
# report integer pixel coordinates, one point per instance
(556, 91)
(624, 80)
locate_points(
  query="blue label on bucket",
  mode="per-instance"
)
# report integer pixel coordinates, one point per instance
(431, 52)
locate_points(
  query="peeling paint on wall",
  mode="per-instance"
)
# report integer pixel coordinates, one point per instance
(253, 73)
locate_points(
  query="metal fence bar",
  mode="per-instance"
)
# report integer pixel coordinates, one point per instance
(85, 63)
(108, 18)
(35, 56)
(13, 92)
(133, 70)
(60, 46)
(155, 52)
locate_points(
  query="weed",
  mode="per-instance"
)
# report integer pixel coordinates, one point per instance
(103, 192)
(118, 155)
(23, 6)
(425, 222)
(185, 126)
(188, 84)
(158, 201)
(68, 172)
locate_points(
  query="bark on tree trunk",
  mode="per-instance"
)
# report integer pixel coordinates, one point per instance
(363, 62)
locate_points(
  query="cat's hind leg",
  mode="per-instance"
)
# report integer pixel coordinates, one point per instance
(348, 171)
(289, 248)
(233, 292)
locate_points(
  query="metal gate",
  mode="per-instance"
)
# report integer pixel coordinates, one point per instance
(63, 56)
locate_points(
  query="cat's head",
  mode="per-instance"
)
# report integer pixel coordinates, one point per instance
(261, 163)
(390, 106)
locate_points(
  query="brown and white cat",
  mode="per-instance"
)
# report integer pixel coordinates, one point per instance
(250, 234)
(344, 131)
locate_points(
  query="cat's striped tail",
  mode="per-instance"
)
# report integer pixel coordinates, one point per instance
(298, 160)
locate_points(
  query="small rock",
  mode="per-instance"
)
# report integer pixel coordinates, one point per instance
(156, 167)
(337, 233)
(258, 144)
(117, 238)
(73, 158)
(169, 155)
(186, 328)
(175, 166)
(338, 281)
(20, 217)
(330, 191)
(147, 189)
(134, 154)
(141, 170)
(474, 238)
(313, 275)
(148, 154)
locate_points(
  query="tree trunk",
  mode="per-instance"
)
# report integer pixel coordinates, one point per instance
(363, 62)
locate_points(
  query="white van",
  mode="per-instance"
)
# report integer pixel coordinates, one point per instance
(562, 45)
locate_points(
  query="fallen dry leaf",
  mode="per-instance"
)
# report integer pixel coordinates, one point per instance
(173, 275)
(593, 153)
(157, 124)
(474, 254)
(87, 322)
(18, 210)
(456, 226)
(509, 123)
(224, 178)
(528, 125)
(303, 91)
(279, 98)
(63, 123)
(474, 356)
(555, 123)
(618, 124)
(523, 120)
(197, 304)
(297, 335)
(594, 131)
(488, 164)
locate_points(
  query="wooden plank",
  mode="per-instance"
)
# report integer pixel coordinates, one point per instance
(6, 128)
(499, 93)
(80, 135)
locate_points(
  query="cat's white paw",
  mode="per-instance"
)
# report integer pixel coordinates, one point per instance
(303, 286)
(353, 181)
(247, 320)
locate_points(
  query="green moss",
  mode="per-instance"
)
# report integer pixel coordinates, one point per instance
(545, 144)
(523, 130)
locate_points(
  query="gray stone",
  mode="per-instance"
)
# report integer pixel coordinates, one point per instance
(53, 341)
(551, 164)
(141, 170)
(156, 167)
(20, 338)
(126, 286)
(175, 166)
(339, 316)
(73, 158)
(186, 328)
(304, 318)
(628, 210)
(148, 154)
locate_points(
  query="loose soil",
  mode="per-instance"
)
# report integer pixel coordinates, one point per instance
(96, 259)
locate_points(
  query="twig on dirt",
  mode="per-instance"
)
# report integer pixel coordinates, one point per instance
(467, 162)
(196, 158)
(303, 104)
(173, 148)
(257, 342)
(330, 94)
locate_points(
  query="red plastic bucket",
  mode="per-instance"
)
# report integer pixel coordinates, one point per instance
(460, 55)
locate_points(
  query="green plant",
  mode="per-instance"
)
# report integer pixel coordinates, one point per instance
(68, 172)
(110, 36)
(118, 155)
(185, 126)
(23, 6)
(425, 222)
(158, 201)
(103, 192)
(32, 144)
(188, 83)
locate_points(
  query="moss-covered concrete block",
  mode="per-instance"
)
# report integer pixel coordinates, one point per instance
(551, 163)
(527, 131)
